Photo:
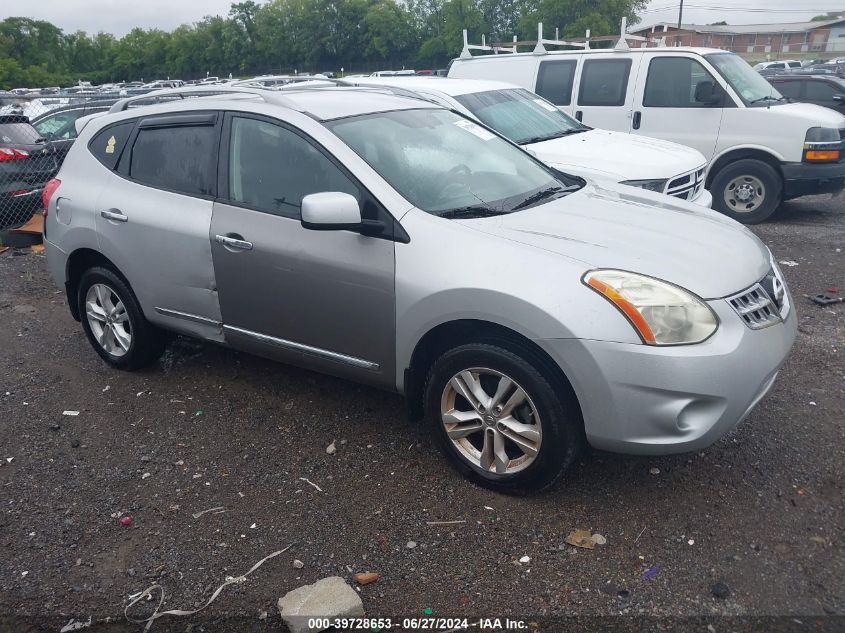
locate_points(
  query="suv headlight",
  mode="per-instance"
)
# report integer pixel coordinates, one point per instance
(652, 185)
(660, 312)
(822, 144)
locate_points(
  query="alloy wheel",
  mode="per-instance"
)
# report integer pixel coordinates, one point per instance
(491, 421)
(108, 319)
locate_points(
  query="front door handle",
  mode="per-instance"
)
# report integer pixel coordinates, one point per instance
(579, 115)
(638, 117)
(115, 215)
(233, 242)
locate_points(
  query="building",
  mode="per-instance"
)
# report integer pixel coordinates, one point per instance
(762, 40)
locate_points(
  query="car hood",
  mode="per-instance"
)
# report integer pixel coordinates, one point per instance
(604, 226)
(618, 155)
(810, 113)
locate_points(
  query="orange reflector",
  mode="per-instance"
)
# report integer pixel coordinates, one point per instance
(818, 154)
(627, 308)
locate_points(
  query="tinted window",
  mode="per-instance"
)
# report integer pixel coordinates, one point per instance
(554, 81)
(820, 91)
(177, 158)
(272, 168)
(18, 133)
(672, 81)
(791, 89)
(604, 82)
(108, 144)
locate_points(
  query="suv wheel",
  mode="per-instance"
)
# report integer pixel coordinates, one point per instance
(749, 191)
(114, 322)
(499, 420)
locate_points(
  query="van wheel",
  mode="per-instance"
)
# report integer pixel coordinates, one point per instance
(114, 322)
(498, 419)
(749, 191)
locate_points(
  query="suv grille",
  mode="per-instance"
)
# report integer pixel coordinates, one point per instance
(763, 304)
(687, 186)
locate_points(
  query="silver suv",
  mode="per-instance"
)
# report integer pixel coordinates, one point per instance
(523, 312)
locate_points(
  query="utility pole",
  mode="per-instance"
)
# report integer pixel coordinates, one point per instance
(680, 21)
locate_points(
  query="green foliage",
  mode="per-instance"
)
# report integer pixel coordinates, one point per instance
(286, 35)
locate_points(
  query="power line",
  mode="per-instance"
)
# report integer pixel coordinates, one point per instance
(739, 9)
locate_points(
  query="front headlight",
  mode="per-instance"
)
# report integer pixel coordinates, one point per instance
(822, 144)
(652, 185)
(661, 313)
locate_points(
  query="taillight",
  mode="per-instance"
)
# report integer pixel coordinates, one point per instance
(10, 153)
(47, 193)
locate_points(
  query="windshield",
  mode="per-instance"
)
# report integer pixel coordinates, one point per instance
(748, 84)
(520, 115)
(448, 165)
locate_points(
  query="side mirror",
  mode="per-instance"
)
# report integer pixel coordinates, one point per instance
(330, 211)
(707, 92)
(839, 98)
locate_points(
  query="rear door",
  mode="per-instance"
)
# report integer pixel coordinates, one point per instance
(605, 90)
(824, 93)
(320, 299)
(666, 106)
(153, 217)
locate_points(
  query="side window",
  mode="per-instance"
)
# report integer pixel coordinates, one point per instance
(672, 81)
(107, 145)
(59, 126)
(180, 158)
(604, 82)
(791, 89)
(820, 91)
(555, 79)
(272, 168)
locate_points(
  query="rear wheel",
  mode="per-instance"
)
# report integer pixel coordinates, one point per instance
(749, 191)
(499, 420)
(114, 323)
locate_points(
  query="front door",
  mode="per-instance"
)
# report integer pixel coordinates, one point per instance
(320, 299)
(665, 105)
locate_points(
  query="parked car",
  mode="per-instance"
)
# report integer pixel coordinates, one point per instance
(783, 64)
(562, 142)
(58, 126)
(522, 311)
(761, 149)
(822, 90)
(27, 163)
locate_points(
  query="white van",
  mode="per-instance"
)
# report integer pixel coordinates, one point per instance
(559, 140)
(762, 149)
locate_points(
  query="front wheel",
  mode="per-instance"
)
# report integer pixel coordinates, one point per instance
(114, 322)
(499, 420)
(749, 191)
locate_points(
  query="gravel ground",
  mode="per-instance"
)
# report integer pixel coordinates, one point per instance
(761, 511)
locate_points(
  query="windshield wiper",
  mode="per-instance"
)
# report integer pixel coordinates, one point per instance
(540, 139)
(536, 197)
(466, 213)
(766, 98)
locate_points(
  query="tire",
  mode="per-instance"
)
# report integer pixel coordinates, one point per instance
(133, 341)
(749, 191)
(549, 420)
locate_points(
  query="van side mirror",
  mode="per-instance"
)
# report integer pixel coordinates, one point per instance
(330, 211)
(707, 92)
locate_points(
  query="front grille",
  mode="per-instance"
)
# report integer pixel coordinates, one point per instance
(687, 186)
(764, 304)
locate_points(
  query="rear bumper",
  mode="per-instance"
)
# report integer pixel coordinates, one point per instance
(646, 400)
(804, 179)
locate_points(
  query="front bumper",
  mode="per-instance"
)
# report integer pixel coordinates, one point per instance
(705, 199)
(805, 179)
(648, 400)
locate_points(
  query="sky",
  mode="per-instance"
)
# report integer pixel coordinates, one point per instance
(120, 16)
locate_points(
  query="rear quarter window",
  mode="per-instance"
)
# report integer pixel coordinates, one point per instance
(107, 145)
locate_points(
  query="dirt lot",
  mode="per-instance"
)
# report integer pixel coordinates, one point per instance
(762, 511)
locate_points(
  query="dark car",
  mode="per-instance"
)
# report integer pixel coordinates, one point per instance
(58, 126)
(824, 90)
(27, 162)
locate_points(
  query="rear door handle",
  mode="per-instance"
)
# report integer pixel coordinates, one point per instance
(116, 215)
(638, 117)
(233, 242)
(579, 115)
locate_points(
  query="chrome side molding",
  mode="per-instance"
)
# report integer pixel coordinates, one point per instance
(187, 316)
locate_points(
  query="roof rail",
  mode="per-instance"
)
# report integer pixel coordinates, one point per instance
(267, 94)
